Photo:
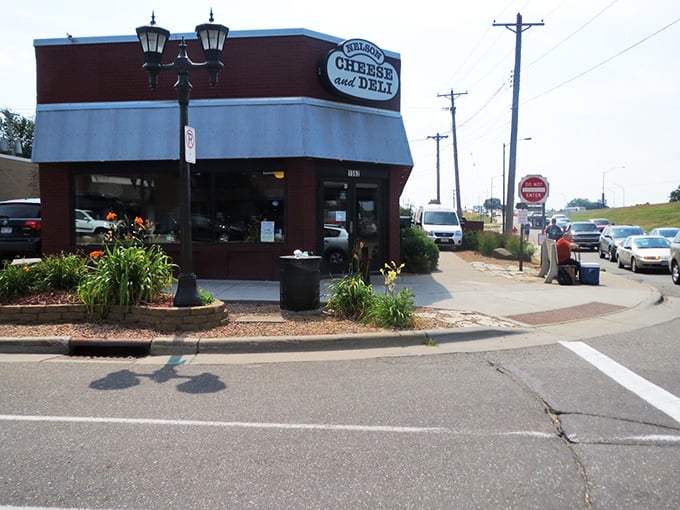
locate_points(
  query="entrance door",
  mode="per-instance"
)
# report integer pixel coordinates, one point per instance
(352, 214)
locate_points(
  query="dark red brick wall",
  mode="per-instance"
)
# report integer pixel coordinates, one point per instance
(55, 209)
(253, 68)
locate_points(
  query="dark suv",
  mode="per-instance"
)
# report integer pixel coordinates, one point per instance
(20, 226)
(586, 234)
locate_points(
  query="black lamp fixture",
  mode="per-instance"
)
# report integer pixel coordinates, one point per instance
(153, 40)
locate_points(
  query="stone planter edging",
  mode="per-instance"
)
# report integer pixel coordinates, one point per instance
(160, 318)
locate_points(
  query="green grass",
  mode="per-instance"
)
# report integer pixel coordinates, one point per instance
(647, 216)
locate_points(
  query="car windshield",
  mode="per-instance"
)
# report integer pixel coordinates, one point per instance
(651, 242)
(667, 232)
(625, 232)
(440, 218)
(584, 227)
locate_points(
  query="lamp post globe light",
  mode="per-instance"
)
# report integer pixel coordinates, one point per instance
(153, 40)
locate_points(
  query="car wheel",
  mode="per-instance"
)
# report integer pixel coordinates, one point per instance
(620, 263)
(336, 257)
(675, 273)
(633, 266)
(612, 256)
(601, 254)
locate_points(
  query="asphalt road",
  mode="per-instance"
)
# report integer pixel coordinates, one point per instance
(659, 278)
(541, 427)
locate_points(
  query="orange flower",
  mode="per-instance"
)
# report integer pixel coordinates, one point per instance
(139, 222)
(111, 216)
(96, 254)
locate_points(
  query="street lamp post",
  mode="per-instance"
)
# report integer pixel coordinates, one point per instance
(605, 172)
(623, 192)
(153, 39)
(504, 190)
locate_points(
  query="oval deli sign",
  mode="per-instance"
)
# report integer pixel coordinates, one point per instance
(357, 68)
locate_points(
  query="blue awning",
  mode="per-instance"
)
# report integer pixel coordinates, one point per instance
(225, 129)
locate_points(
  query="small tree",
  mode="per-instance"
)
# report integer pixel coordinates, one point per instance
(13, 128)
(675, 195)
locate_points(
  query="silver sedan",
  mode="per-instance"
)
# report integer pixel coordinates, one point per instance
(644, 252)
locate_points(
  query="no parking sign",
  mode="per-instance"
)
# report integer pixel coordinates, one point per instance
(189, 145)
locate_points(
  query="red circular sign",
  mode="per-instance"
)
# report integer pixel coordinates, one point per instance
(533, 189)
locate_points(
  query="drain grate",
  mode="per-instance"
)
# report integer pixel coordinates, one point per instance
(109, 348)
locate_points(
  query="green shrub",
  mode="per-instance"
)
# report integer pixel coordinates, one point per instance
(470, 240)
(392, 311)
(206, 296)
(16, 281)
(489, 241)
(419, 254)
(124, 274)
(350, 297)
(512, 245)
(59, 272)
(54, 272)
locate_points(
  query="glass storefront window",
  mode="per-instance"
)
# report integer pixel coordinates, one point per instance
(227, 206)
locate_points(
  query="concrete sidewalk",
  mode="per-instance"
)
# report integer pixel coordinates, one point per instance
(494, 289)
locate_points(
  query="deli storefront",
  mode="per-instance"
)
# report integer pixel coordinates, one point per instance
(301, 145)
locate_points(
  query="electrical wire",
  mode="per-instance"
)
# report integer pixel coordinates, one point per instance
(602, 63)
(569, 36)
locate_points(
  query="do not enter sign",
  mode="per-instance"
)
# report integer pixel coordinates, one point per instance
(533, 189)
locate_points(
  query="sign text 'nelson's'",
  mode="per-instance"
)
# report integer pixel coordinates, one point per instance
(358, 68)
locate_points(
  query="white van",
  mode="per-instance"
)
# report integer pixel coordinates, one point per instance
(441, 224)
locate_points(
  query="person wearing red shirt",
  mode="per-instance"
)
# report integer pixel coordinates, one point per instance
(564, 247)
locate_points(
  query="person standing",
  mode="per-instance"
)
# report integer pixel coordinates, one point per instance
(553, 231)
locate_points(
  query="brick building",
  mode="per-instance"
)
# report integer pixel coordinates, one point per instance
(301, 145)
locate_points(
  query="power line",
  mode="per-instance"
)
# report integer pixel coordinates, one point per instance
(569, 36)
(603, 62)
(484, 106)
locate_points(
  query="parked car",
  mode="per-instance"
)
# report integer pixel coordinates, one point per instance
(600, 223)
(203, 230)
(674, 259)
(667, 232)
(335, 244)
(586, 234)
(613, 235)
(87, 224)
(643, 252)
(561, 220)
(20, 227)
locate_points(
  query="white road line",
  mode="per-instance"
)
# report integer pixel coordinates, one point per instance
(663, 400)
(284, 426)
(226, 424)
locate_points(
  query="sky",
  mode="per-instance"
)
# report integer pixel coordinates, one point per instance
(599, 93)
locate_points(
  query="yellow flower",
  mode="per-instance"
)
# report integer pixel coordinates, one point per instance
(26, 269)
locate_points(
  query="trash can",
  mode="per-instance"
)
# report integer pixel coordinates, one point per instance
(300, 279)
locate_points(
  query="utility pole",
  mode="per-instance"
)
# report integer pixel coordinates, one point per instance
(437, 138)
(452, 96)
(518, 27)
